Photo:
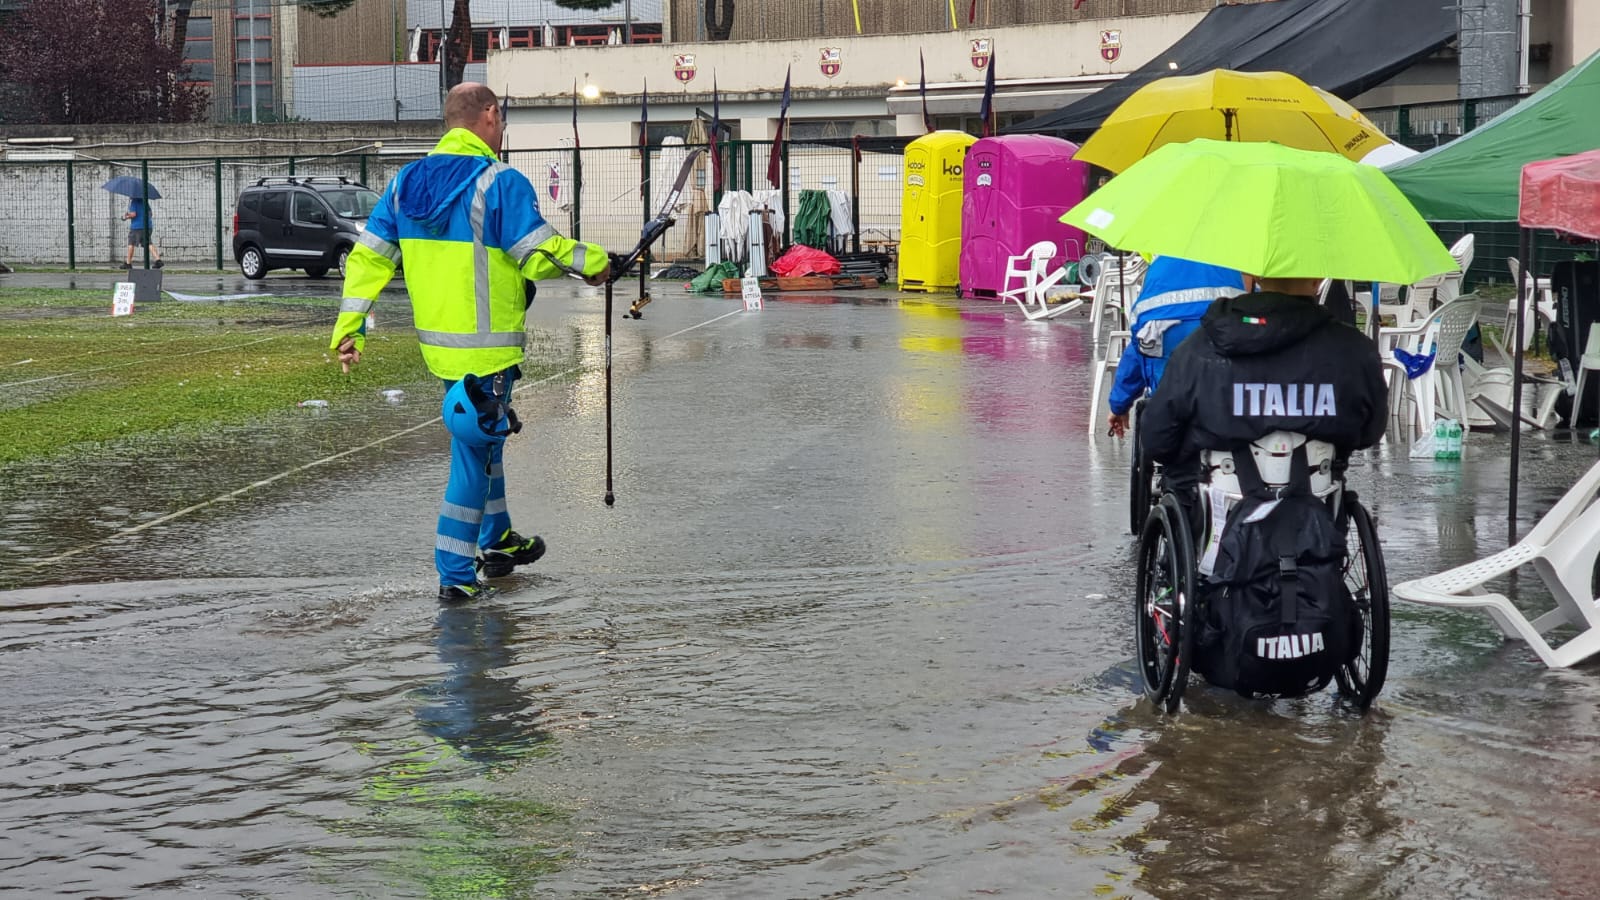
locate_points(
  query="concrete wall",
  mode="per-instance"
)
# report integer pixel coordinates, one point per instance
(776, 20)
(34, 204)
(133, 142)
(540, 81)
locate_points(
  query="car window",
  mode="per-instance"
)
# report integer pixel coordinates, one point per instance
(307, 210)
(354, 203)
(250, 202)
(272, 205)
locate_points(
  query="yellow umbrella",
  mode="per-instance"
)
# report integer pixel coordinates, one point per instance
(1230, 106)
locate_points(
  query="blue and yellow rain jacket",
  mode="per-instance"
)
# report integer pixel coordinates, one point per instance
(467, 226)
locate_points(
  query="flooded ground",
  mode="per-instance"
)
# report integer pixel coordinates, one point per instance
(858, 625)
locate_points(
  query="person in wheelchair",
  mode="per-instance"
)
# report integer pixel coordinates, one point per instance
(1272, 360)
(1176, 293)
(1254, 422)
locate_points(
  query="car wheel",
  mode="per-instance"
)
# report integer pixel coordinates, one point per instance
(344, 254)
(317, 271)
(252, 264)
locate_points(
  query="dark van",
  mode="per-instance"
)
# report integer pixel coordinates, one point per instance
(299, 222)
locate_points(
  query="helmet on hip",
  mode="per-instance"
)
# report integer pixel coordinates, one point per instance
(477, 414)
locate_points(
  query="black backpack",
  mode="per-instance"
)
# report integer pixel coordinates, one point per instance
(1279, 617)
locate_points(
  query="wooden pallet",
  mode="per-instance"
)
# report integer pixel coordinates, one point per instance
(804, 283)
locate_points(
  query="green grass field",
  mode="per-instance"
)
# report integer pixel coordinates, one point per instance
(75, 378)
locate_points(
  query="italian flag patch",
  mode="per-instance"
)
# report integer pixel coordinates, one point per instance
(1254, 320)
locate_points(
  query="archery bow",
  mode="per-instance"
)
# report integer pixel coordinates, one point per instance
(620, 265)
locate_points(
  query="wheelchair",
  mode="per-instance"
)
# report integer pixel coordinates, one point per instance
(1170, 602)
(1144, 476)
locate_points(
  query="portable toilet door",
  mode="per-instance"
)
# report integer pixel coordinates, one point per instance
(930, 211)
(1017, 187)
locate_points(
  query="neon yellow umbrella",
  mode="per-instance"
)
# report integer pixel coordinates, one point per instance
(1233, 106)
(1266, 210)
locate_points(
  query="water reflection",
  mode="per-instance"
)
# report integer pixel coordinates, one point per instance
(1252, 798)
(483, 713)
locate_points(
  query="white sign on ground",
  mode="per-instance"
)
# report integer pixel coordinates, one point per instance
(122, 299)
(752, 293)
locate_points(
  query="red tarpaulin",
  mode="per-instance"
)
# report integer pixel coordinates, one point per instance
(1563, 195)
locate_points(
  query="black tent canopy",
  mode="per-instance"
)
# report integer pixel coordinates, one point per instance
(1342, 46)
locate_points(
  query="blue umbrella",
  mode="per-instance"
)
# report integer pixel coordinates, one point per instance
(131, 186)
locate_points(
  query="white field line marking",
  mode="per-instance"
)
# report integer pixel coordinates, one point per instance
(133, 363)
(237, 492)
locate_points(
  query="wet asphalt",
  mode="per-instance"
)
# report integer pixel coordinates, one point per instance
(858, 625)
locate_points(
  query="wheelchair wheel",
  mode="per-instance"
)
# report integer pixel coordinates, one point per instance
(1141, 488)
(1365, 576)
(1162, 607)
(1141, 477)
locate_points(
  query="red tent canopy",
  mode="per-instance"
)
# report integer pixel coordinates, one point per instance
(1563, 194)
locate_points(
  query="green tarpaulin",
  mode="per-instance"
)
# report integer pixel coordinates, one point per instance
(1476, 177)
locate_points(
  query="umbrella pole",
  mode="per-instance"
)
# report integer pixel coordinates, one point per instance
(1524, 252)
(144, 175)
(1373, 321)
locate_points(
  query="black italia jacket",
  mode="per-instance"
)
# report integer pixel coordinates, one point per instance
(1260, 363)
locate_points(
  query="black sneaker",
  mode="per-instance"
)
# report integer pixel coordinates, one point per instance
(127, 265)
(465, 593)
(158, 264)
(513, 550)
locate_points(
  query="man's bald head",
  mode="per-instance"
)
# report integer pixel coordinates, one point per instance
(474, 107)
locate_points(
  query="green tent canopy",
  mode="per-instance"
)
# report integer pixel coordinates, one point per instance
(1476, 177)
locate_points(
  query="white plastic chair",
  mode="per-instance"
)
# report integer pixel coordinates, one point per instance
(1542, 303)
(1590, 362)
(1115, 292)
(1031, 269)
(1440, 388)
(1562, 549)
(1463, 252)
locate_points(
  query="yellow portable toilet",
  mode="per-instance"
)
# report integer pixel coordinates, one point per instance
(930, 211)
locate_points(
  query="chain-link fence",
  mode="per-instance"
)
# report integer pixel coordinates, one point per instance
(1423, 126)
(55, 213)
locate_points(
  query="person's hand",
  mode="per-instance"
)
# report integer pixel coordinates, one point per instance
(599, 278)
(1118, 425)
(348, 354)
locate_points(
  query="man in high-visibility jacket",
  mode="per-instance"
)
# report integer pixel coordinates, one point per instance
(470, 232)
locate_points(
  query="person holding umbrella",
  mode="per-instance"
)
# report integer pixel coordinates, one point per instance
(1274, 359)
(139, 194)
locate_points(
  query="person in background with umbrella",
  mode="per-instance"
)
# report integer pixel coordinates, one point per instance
(139, 195)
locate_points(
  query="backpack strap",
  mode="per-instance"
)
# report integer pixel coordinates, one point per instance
(1281, 539)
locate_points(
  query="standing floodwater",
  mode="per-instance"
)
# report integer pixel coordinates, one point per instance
(835, 638)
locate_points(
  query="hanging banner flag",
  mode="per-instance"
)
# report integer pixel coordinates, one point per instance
(644, 116)
(972, 12)
(775, 161)
(856, 6)
(576, 144)
(986, 110)
(716, 134)
(555, 183)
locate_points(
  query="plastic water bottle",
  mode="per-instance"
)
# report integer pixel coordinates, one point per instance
(313, 404)
(1454, 432)
(1441, 440)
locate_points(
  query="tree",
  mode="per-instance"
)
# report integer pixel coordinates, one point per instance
(458, 43)
(134, 73)
(719, 28)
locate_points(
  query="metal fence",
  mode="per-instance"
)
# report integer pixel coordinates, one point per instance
(54, 213)
(1423, 126)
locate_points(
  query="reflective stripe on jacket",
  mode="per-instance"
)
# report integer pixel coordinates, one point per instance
(468, 228)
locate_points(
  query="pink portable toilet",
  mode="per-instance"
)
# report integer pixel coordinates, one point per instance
(1016, 188)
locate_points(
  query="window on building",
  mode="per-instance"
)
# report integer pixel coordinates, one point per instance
(253, 56)
(199, 54)
(823, 129)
